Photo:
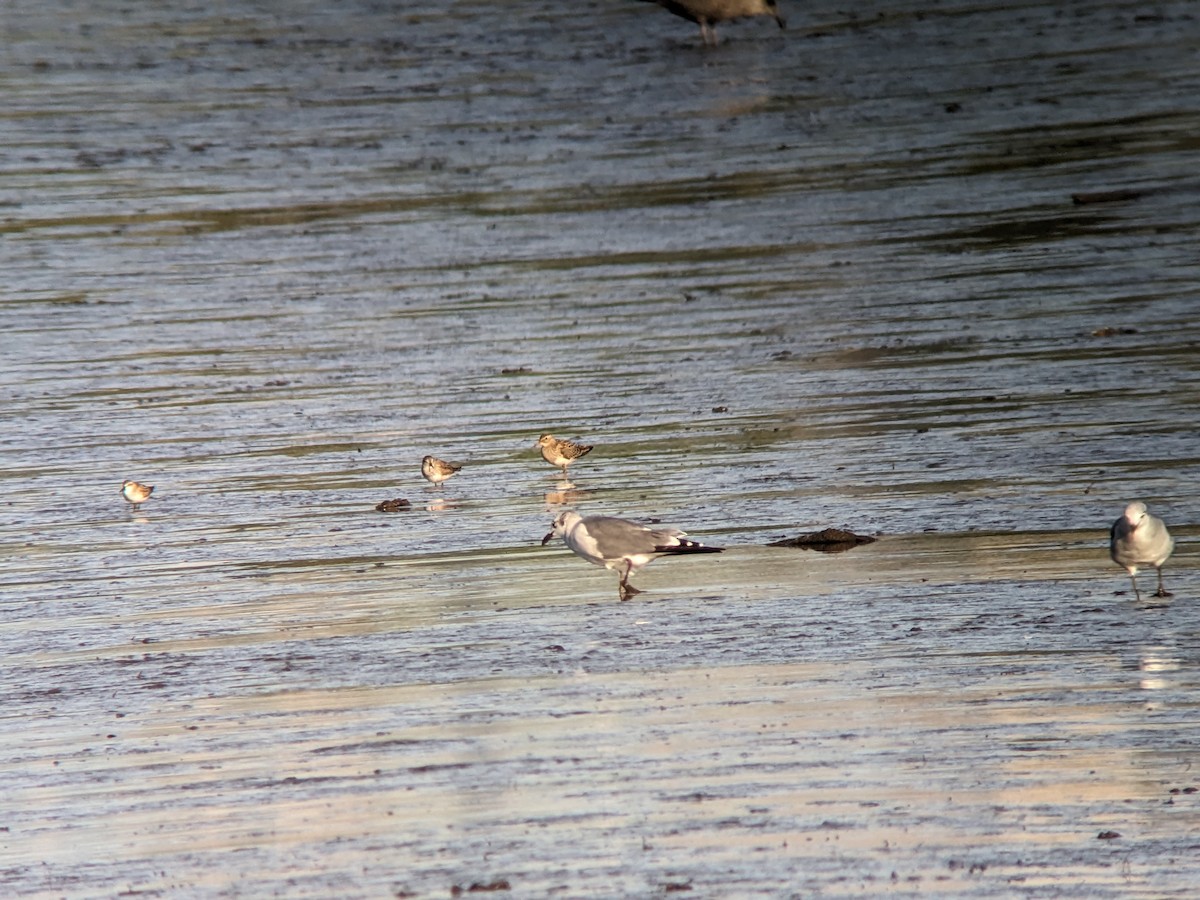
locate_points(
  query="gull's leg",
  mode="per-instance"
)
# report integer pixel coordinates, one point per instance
(1136, 593)
(626, 589)
(1162, 591)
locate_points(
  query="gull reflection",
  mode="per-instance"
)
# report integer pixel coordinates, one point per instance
(1154, 665)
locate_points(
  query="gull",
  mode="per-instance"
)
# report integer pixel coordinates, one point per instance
(561, 453)
(707, 13)
(1138, 539)
(437, 470)
(135, 492)
(619, 544)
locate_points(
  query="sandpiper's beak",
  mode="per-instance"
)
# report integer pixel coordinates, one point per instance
(547, 538)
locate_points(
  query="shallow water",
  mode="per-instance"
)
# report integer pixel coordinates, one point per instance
(827, 277)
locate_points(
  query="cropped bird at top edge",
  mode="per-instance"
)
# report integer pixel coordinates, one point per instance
(136, 492)
(707, 13)
(561, 453)
(437, 470)
(1138, 540)
(620, 545)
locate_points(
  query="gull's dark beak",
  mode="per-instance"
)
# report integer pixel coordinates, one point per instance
(547, 538)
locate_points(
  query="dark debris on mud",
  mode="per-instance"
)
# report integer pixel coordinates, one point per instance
(827, 540)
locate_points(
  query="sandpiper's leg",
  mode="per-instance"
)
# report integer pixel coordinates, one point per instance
(1162, 591)
(707, 34)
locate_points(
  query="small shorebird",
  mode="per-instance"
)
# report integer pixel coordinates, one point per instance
(619, 544)
(135, 492)
(1138, 539)
(561, 453)
(437, 470)
(707, 13)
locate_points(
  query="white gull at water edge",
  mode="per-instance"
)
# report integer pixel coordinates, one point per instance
(619, 544)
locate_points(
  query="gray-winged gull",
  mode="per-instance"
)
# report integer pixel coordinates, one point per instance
(1137, 540)
(619, 544)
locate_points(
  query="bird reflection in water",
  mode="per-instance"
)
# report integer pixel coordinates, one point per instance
(566, 494)
(1154, 664)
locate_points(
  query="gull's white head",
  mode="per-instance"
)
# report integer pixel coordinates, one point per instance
(561, 524)
(1135, 512)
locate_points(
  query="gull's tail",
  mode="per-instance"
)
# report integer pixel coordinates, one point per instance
(686, 546)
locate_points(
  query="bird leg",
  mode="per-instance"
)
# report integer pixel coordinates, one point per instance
(1162, 592)
(625, 589)
(1136, 593)
(708, 34)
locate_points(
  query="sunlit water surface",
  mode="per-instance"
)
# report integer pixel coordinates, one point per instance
(833, 276)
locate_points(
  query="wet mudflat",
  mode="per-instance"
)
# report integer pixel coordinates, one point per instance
(831, 277)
